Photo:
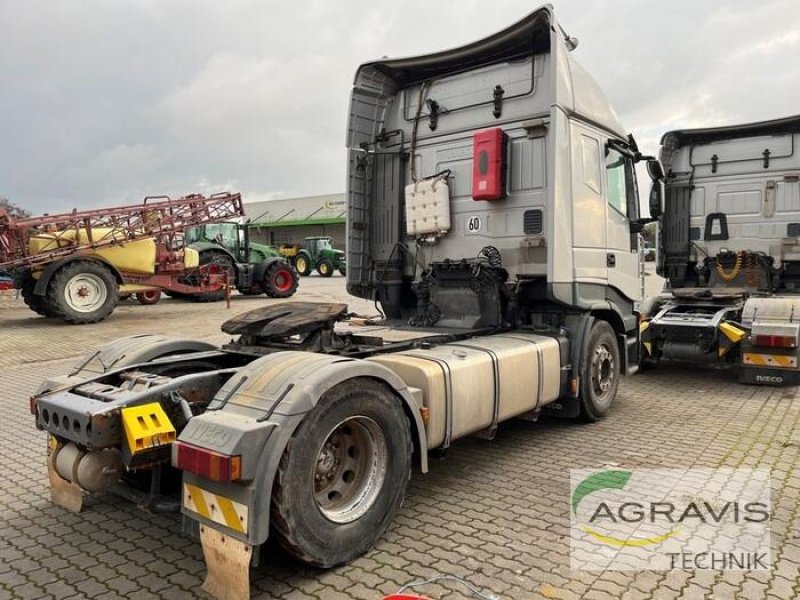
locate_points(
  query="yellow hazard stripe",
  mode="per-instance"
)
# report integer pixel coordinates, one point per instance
(769, 360)
(216, 508)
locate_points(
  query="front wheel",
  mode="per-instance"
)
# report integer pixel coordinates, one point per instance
(325, 267)
(280, 280)
(600, 372)
(343, 475)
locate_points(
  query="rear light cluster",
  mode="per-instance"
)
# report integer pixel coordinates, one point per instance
(775, 341)
(209, 464)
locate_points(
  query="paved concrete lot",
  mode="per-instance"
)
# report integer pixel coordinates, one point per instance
(494, 513)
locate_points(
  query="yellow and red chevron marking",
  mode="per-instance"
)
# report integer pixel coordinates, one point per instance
(769, 360)
(216, 508)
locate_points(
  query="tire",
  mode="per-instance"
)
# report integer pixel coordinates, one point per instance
(302, 263)
(83, 292)
(325, 267)
(600, 372)
(224, 263)
(149, 297)
(327, 524)
(252, 291)
(280, 280)
(343, 271)
(37, 304)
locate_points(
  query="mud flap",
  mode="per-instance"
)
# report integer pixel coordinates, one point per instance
(63, 493)
(228, 565)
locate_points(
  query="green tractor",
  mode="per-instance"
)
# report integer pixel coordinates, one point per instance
(317, 253)
(254, 268)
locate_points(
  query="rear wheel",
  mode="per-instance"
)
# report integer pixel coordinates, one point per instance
(149, 297)
(83, 292)
(280, 280)
(600, 372)
(343, 475)
(302, 264)
(325, 267)
(219, 264)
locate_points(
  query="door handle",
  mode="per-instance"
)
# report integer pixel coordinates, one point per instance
(611, 260)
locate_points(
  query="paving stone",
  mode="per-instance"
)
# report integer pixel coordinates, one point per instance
(494, 513)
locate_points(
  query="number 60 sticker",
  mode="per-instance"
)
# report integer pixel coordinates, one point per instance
(474, 224)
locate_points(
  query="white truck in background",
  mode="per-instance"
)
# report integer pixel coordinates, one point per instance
(493, 214)
(729, 251)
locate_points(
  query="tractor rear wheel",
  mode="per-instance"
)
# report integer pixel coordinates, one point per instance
(280, 280)
(303, 264)
(220, 263)
(83, 292)
(325, 267)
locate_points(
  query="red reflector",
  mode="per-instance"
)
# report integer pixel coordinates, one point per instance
(209, 464)
(775, 341)
(33, 405)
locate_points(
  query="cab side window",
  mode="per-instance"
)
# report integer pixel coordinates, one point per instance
(621, 188)
(616, 184)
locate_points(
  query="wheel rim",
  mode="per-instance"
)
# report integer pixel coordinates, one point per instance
(350, 469)
(603, 371)
(323, 268)
(282, 280)
(301, 264)
(85, 293)
(151, 295)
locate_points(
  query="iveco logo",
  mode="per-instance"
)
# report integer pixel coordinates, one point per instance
(209, 435)
(769, 379)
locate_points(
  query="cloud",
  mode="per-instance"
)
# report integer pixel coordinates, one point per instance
(106, 102)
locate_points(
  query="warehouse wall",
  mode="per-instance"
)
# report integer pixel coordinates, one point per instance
(291, 220)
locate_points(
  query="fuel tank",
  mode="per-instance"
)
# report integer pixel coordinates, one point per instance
(474, 384)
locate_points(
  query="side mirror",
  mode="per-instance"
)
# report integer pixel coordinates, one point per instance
(637, 226)
(657, 193)
(655, 169)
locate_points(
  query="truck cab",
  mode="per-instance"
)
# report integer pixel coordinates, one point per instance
(728, 241)
(493, 185)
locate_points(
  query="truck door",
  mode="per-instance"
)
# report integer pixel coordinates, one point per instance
(588, 207)
(622, 253)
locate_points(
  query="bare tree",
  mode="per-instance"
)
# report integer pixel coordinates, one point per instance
(12, 209)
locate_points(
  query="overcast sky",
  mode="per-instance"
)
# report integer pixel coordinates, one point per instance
(105, 102)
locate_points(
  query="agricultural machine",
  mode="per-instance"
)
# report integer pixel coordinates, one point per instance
(253, 268)
(317, 253)
(74, 266)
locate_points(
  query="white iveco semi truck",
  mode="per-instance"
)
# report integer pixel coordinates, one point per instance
(729, 251)
(493, 216)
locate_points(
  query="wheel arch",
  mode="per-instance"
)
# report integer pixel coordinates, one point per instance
(261, 268)
(262, 406)
(40, 289)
